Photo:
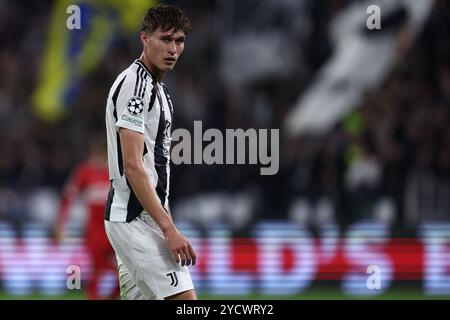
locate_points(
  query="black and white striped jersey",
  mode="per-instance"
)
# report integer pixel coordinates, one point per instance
(137, 102)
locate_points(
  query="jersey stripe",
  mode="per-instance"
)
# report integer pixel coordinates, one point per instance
(115, 96)
(119, 146)
(143, 79)
(119, 154)
(138, 80)
(153, 95)
(160, 159)
(139, 63)
(109, 201)
(145, 149)
(134, 207)
(166, 92)
(169, 101)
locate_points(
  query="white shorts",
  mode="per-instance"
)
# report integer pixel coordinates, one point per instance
(147, 269)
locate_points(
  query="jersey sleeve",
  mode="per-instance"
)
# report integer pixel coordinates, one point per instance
(132, 104)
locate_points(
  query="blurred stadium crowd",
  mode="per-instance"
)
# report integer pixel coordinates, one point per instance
(389, 159)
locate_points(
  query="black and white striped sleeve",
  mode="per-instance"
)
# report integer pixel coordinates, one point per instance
(132, 101)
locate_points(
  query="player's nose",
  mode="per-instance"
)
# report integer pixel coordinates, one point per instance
(172, 48)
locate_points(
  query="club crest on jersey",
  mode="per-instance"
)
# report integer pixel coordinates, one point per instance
(135, 106)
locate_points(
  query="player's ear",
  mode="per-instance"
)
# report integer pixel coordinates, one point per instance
(144, 37)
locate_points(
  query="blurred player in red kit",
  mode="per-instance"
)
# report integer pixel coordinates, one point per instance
(90, 180)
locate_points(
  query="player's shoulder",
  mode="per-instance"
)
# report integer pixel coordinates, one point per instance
(120, 81)
(136, 75)
(133, 82)
(141, 69)
(128, 75)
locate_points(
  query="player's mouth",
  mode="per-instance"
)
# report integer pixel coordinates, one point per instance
(170, 61)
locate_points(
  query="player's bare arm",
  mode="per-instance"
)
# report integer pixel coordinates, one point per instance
(132, 144)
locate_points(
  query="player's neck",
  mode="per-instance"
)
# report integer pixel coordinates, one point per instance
(151, 67)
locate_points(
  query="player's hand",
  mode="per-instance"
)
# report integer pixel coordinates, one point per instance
(180, 247)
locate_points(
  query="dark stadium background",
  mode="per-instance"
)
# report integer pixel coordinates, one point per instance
(364, 180)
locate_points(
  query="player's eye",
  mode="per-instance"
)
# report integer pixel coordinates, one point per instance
(180, 40)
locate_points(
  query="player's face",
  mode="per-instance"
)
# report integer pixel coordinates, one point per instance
(163, 48)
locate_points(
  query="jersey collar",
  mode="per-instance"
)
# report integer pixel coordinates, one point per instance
(140, 63)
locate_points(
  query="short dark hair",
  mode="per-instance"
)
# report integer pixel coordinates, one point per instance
(166, 17)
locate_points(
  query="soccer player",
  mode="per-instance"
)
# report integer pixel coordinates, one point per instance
(152, 254)
(90, 180)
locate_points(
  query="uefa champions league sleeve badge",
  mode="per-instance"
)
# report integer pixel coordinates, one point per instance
(135, 106)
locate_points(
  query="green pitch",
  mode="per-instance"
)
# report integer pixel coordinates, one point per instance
(313, 294)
